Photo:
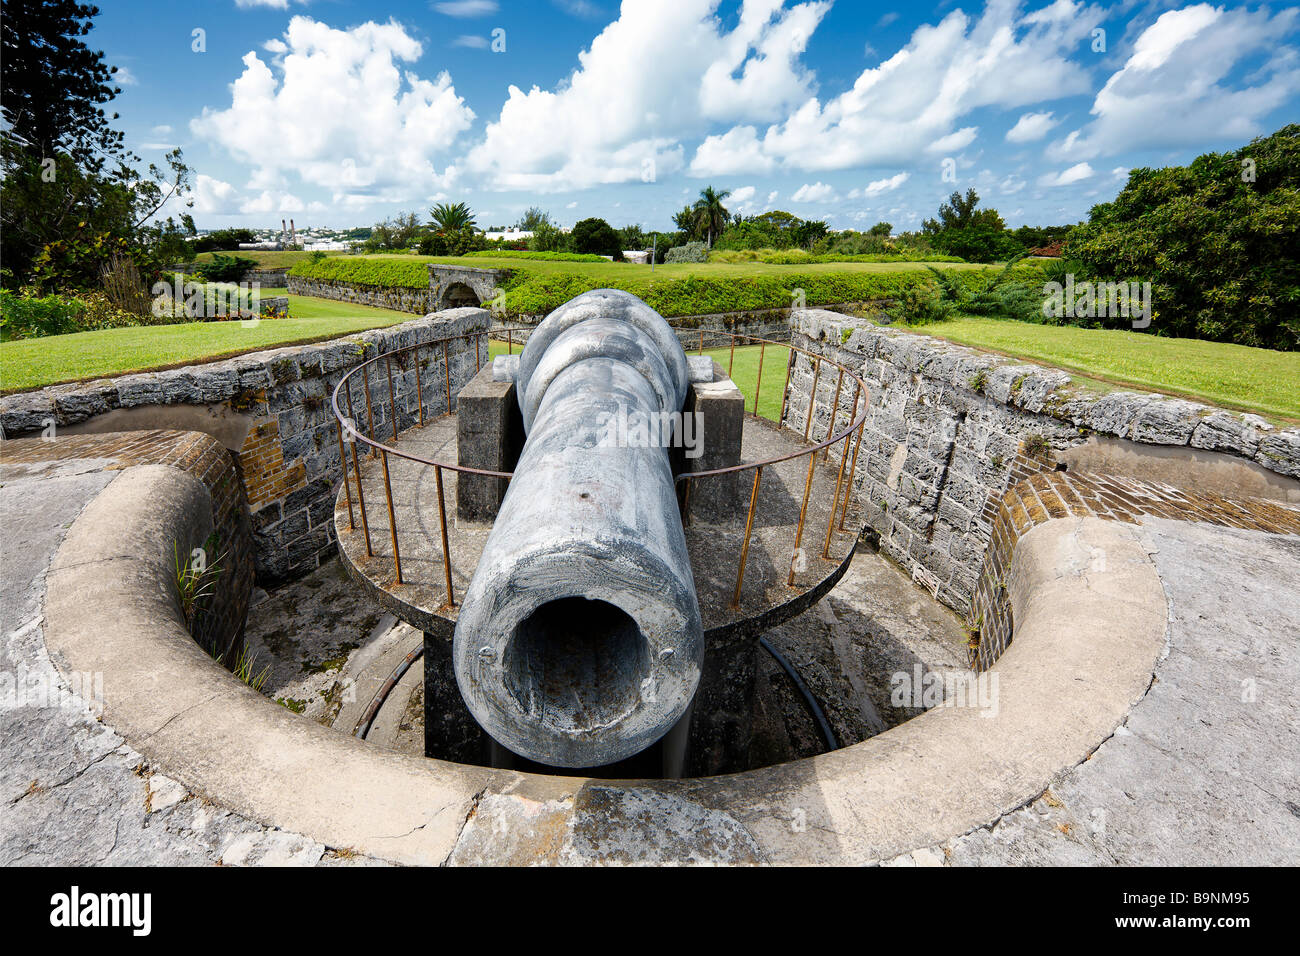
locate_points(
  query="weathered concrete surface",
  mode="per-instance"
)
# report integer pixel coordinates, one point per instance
(1195, 773)
(1203, 770)
(203, 726)
(72, 791)
(306, 633)
(489, 436)
(875, 623)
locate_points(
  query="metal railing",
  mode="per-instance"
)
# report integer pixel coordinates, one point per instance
(686, 480)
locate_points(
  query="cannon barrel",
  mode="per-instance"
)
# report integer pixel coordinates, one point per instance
(579, 641)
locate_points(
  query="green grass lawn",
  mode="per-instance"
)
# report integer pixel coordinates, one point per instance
(675, 270)
(744, 372)
(1231, 376)
(32, 363)
(265, 258)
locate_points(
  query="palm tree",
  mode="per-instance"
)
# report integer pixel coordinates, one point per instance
(452, 218)
(712, 215)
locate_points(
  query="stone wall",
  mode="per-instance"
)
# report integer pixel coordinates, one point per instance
(268, 278)
(448, 283)
(271, 409)
(950, 429)
(419, 301)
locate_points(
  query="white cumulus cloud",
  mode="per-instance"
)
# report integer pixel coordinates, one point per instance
(913, 101)
(1175, 90)
(1030, 127)
(885, 185)
(338, 111)
(814, 192)
(1076, 173)
(660, 73)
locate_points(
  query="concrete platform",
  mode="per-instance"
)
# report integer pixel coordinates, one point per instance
(1145, 715)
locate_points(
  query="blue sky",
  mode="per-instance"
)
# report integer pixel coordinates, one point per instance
(342, 113)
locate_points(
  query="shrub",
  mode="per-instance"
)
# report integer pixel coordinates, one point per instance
(450, 242)
(225, 268)
(1216, 239)
(542, 256)
(28, 316)
(800, 257)
(596, 236)
(535, 293)
(978, 243)
(923, 304)
(358, 270)
(547, 237)
(691, 252)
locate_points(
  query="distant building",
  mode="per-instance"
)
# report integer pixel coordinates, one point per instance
(510, 235)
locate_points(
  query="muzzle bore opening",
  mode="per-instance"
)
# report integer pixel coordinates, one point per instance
(575, 664)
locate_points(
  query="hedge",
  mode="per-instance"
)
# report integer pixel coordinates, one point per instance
(548, 256)
(535, 294)
(796, 257)
(358, 270)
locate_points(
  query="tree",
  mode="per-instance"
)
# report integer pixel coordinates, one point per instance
(960, 212)
(70, 195)
(711, 216)
(882, 229)
(687, 221)
(452, 217)
(1216, 239)
(54, 84)
(596, 236)
(962, 229)
(547, 238)
(532, 218)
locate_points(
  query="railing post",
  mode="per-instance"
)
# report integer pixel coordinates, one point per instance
(758, 387)
(835, 502)
(392, 520)
(392, 397)
(803, 512)
(744, 548)
(347, 491)
(835, 407)
(442, 525)
(790, 358)
(370, 415)
(356, 470)
(812, 398)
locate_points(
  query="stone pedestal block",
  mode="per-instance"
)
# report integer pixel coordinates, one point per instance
(489, 435)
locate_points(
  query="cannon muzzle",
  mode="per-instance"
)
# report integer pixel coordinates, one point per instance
(579, 642)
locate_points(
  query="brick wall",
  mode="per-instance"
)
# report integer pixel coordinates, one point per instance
(272, 411)
(1045, 495)
(219, 625)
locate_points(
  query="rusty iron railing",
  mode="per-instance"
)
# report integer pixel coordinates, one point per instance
(350, 435)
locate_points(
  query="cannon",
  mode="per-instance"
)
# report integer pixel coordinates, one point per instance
(579, 642)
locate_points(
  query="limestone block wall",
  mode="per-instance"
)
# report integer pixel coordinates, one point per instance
(946, 427)
(267, 278)
(271, 410)
(420, 301)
